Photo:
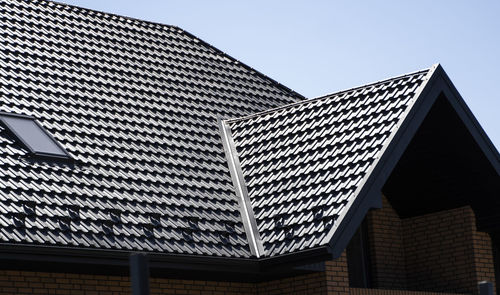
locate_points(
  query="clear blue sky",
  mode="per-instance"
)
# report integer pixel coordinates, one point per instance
(318, 47)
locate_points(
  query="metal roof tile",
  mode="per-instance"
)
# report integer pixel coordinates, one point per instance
(315, 153)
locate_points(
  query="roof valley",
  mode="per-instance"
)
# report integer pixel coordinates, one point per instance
(246, 209)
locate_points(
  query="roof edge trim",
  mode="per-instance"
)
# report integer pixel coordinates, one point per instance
(109, 257)
(327, 96)
(297, 95)
(241, 191)
(366, 184)
(244, 269)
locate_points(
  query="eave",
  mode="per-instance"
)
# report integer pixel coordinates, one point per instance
(116, 262)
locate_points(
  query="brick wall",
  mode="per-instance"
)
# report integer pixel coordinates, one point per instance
(337, 276)
(386, 248)
(483, 257)
(332, 281)
(18, 282)
(435, 252)
(22, 282)
(359, 291)
(440, 252)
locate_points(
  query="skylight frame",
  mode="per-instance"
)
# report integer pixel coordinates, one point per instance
(32, 151)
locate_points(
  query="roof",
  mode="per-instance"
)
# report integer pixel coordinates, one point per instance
(303, 164)
(157, 166)
(311, 170)
(136, 105)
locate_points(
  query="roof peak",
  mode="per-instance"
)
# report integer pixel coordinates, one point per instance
(376, 82)
(126, 17)
(327, 96)
(304, 165)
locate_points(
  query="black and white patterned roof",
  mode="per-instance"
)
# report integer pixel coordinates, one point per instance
(304, 163)
(136, 105)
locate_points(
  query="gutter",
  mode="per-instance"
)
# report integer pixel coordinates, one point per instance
(116, 262)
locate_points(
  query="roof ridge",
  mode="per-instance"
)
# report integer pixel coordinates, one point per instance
(246, 208)
(262, 75)
(326, 96)
(107, 13)
(372, 83)
(198, 40)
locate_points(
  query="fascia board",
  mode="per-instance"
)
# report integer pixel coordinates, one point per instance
(247, 268)
(120, 258)
(368, 194)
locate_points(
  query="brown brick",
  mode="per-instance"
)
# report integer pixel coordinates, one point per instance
(413, 253)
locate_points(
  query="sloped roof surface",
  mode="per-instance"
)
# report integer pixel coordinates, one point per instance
(135, 104)
(303, 164)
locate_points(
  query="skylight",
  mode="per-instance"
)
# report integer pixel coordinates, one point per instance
(33, 135)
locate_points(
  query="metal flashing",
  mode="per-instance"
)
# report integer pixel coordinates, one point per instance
(246, 209)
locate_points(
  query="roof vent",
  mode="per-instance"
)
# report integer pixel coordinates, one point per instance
(115, 215)
(193, 222)
(224, 237)
(230, 226)
(155, 219)
(64, 223)
(289, 231)
(187, 234)
(148, 230)
(328, 223)
(279, 221)
(107, 226)
(29, 208)
(18, 219)
(33, 136)
(319, 212)
(73, 211)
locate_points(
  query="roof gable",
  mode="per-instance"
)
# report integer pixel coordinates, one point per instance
(304, 164)
(438, 86)
(313, 169)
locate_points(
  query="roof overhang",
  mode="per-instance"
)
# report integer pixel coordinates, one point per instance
(114, 262)
(437, 87)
